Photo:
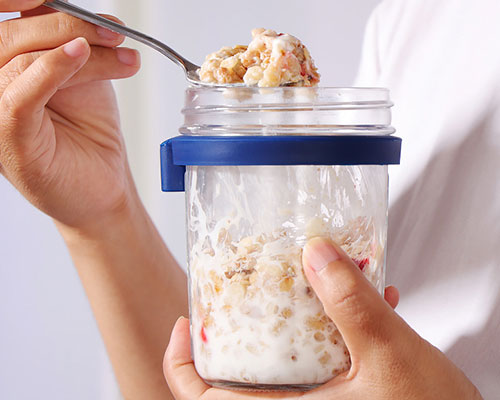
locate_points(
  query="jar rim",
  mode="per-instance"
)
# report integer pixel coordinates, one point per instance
(286, 110)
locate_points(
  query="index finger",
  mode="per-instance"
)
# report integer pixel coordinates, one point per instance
(19, 5)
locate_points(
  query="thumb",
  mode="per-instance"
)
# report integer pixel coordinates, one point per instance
(178, 365)
(25, 97)
(350, 300)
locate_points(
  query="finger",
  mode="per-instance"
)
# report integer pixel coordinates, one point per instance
(106, 64)
(24, 99)
(25, 35)
(103, 64)
(178, 365)
(391, 295)
(42, 10)
(353, 303)
(18, 5)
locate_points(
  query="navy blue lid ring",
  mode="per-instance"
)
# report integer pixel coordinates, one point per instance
(180, 151)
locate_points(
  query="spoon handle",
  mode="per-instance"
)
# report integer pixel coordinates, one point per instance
(88, 16)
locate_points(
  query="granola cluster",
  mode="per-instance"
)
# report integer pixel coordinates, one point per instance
(255, 318)
(271, 59)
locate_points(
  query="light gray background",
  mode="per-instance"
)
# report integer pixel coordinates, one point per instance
(50, 347)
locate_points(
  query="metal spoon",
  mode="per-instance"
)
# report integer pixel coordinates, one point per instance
(190, 69)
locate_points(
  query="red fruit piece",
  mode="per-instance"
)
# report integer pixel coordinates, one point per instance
(203, 334)
(362, 263)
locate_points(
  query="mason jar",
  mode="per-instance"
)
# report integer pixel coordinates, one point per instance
(264, 171)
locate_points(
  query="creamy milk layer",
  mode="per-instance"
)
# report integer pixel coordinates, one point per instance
(271, 59)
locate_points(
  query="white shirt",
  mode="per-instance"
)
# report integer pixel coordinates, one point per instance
(441, 61)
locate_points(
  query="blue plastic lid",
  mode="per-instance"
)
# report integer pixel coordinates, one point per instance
(180, 151)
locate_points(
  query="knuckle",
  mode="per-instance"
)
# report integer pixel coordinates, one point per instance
(349, 300)
(6, 35)
(19, 64)
(351, 303)
(348, 291)
(11, 102)
(67, 23)
(13, 105)
(44, 66)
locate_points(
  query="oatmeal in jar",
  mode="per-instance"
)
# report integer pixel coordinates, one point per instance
(271, 59)
(256, 320)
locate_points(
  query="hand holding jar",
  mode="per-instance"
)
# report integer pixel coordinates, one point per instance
(388, 359)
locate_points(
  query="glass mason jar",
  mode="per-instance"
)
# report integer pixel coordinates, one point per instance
(265, 170)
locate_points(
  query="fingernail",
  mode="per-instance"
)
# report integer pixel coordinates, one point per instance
(319, 252)
(107, 34)
(76, 48)
(127, 56)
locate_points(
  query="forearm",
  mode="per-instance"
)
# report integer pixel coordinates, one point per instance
(136, 290)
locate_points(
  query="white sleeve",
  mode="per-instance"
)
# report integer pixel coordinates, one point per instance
(369, 67)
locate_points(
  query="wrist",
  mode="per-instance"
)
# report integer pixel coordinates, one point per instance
(128, 216)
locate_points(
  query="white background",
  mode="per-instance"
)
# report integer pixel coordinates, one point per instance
(50, 347)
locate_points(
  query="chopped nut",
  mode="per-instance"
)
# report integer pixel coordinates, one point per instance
(248, 245)
(208, 321)
(223, 234)
(252, 349)
(287, 312)
(207, 291)
(247, 271)
(278, 326)
(271, 271)
(236, 292)
(290, 270)
(272, 309)
(319, 348)
(209, 251)
(229, 274)
(335, 337)
(217, 280)
(324, 358)
(315, 323)
(286, 284)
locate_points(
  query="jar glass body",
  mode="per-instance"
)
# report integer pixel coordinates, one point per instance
(255, 321)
